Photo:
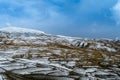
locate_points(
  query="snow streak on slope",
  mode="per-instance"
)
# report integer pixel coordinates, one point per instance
(19, 30)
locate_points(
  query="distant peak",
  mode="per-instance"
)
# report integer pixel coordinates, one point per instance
(19, 30)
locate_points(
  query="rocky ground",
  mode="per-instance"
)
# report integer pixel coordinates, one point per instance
(34, 55)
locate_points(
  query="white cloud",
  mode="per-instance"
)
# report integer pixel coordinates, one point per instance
(116, 12)
(38, 14)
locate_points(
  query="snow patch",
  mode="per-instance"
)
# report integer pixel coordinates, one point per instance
(19, 30)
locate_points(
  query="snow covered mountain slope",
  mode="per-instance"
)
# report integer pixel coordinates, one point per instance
(30, 52)
(17, 35)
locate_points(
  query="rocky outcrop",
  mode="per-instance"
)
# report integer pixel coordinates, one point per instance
(80, 43)
(24, 69)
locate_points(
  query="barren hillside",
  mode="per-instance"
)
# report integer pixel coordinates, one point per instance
(34, 55)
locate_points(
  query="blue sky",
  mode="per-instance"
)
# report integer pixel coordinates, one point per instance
(79, 18)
